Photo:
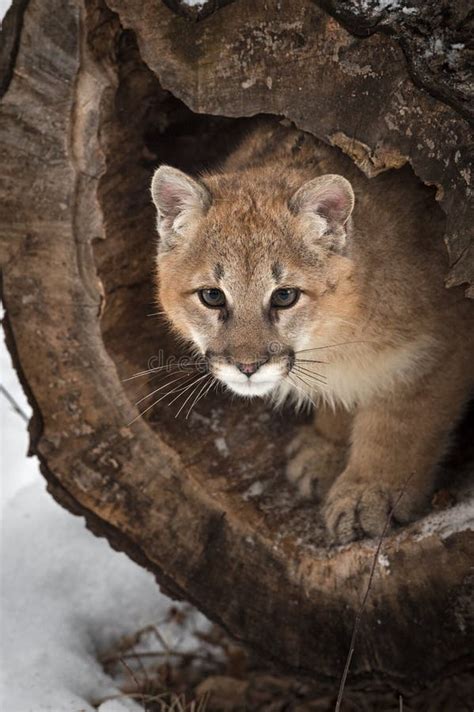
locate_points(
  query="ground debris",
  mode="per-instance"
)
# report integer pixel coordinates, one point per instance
(203, 670)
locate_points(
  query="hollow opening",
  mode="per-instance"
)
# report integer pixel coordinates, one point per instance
(239, 445)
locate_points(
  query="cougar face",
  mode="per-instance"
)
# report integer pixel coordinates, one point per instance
(244, 270)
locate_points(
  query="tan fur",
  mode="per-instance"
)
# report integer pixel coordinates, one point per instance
(394, 342)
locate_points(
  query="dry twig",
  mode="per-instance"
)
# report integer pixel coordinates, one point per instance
(360, 612)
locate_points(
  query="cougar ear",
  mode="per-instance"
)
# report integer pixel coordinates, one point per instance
(178, 200)
(328, 201)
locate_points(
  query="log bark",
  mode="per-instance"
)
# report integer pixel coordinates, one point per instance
(96, 95)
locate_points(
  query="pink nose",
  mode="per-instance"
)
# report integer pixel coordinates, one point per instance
(248, 368)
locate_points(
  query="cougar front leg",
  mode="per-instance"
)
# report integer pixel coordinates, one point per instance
(397, 443)
(318, 452)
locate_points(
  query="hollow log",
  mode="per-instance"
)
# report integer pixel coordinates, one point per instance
(95, 96)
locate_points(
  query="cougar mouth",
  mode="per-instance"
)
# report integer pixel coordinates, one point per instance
(261, 383)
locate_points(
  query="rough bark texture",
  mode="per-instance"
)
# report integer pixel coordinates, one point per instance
(86, 116)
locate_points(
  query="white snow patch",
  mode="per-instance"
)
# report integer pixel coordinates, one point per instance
(65, 597)
(384, 562)
(248, 83)
(4, 5)
(387, 4)
(455, 519)
(454, 54)
(221, 446)
(255, 489)
(435, 46)
(17, 470)
(123, 705)
(379, 5)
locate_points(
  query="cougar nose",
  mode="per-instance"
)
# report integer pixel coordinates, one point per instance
(250, 368)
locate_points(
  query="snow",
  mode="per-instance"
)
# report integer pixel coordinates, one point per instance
(384, 562)
(4, 5)
(221, 446)
(379, 5)
(382, 5)
(387, 4)
(451, 520)
(194, 3)
(14, 435)
(65, 595)
(255, 490)
(249, 83)
(454, 54)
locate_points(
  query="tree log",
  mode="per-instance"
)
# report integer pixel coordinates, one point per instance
(95, 97)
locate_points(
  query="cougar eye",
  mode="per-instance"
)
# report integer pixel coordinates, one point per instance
(284, 298)
(212, 297)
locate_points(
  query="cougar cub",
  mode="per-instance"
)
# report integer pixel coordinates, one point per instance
(297, 277)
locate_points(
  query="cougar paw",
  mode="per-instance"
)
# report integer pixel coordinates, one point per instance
(355, 509)
(313, 463)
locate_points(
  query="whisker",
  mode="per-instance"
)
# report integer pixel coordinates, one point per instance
(300, 378)
(309, 385)
(200, 390)
(332, 346)
(168, 383)
(311, 377)
(309, 360)
(157, 369)
(168, 393)
(147, 372)
(186, 388)
(310, 374)
(153, 381)
(308, 369)
(306, 395)
(206, 375)
(200, 395)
